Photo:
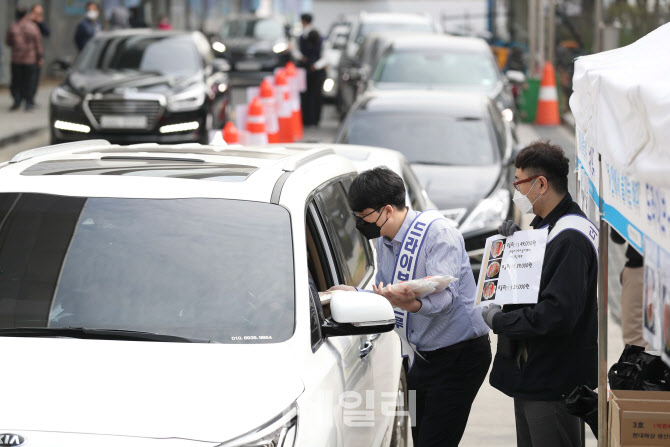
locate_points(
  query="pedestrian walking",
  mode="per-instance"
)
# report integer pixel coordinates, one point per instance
(443, 332)
(88, 26)
(632, 286)
(310, 46)
(546, 350)
(25, 41)
(37, 12)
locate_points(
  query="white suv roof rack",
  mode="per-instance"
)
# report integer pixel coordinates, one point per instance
(58, 148)
(297, 161)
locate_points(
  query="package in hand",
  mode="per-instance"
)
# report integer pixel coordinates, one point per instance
(426, 286)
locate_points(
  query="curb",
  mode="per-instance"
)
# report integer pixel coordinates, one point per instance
(20, 135)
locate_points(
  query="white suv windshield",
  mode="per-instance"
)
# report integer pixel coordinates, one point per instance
(208, 269)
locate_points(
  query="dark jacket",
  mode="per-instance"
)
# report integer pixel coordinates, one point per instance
(560, 332)
(84, 32)
(310, 47)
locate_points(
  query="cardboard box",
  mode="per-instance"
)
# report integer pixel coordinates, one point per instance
(639, 418)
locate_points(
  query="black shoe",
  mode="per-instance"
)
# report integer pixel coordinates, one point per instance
(15, 107)
(30, 107)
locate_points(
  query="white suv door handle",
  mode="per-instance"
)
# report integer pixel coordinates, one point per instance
(366, 348)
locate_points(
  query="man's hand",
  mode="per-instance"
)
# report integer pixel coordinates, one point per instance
(342, 287)
(489, 312)
(399, 296)
(508, 228)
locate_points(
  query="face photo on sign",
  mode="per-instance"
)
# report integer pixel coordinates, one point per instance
(497, 249)
(493, 269)
(649, 288)
(489, 292)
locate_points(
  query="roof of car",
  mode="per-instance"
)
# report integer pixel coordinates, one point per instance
(461, 104)
(417, 41)
(141, 32)
(394, 17)
(98, 168)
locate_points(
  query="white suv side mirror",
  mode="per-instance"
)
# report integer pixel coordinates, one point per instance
(359, 313)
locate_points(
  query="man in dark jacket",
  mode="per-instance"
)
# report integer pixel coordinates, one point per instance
(25, 40)
(547, 349)
(88, 27)
(310, 47)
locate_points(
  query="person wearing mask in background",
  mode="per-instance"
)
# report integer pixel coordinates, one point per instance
(37, 13)
(310, 45)
(632, 286)
(443, 332)
(25, 40)
(88, 27)
(546, 350)
(164, 23)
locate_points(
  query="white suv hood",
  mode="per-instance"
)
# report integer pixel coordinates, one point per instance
(205, 392)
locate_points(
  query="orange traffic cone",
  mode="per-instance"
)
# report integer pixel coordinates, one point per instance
(270, 106)
(283, 108)
(256, 123)
(230, 133)
(296, 112)
(547, 103)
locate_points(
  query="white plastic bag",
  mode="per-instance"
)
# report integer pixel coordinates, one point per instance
(442, 282)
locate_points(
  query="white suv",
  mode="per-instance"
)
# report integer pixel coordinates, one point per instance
(160, 296)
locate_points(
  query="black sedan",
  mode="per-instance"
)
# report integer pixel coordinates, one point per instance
(253, 44)
(137, 86)
(457, 143)
(419, 61)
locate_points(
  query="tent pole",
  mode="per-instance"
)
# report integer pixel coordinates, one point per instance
(602, 322)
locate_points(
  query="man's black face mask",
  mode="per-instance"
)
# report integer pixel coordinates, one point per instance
(370, 229)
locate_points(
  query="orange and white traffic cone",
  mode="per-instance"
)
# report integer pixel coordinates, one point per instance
(296, 111)
(256, 123)
(230, 133)
(547, 103)
(283, 108)
(267, 95)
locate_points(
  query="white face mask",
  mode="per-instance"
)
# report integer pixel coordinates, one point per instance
(523, 202)
(92, 14)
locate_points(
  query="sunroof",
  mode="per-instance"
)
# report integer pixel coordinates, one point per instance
(145, 167)
(258, 154)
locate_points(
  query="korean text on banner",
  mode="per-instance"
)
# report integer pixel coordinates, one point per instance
(512, 268)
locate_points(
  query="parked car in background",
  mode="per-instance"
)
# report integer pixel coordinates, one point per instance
(135, 86)
(367, 23)
(457, 143)
(334, 44)
(426, 61)
(253, 44)
(173, 292)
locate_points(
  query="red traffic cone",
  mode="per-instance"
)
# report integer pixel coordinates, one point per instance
(256, 123)
(296, 112)
(270, 107)
(283, 107)
(547, 103)
(230, 133)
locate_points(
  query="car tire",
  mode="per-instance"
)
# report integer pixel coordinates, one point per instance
(401, 431)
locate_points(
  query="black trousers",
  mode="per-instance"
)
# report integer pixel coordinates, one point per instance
(312, 99)
(446, 384)
(23, 83)
(546, 424)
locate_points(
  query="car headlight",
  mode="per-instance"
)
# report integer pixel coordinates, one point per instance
(63, 97)
(328, 85)
(508, 115)
(190, 99)
(219, 47)
(489, 213)
(280, 47)
(279, 432)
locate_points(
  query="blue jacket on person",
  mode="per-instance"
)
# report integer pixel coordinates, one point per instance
(85, 31)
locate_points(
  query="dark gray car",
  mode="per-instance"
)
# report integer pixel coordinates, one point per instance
(457, 143)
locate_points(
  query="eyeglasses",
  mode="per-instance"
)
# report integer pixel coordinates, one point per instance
(355, 214)
(526, 180)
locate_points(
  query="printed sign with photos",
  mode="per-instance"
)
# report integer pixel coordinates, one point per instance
(651, 298)
(665, 304)
(511, 268)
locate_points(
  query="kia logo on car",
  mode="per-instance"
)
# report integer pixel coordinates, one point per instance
(11, 440)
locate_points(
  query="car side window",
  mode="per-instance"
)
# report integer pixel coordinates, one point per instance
(349, 246)
(413, 188)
